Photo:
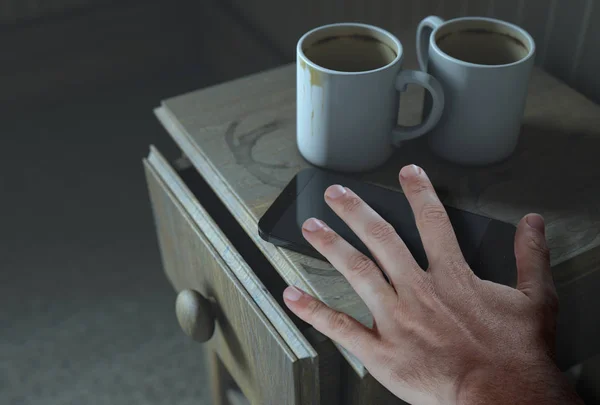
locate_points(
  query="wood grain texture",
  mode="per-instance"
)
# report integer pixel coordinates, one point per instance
(328, 356)
(240, 136)
(241, 142)
(248, 338)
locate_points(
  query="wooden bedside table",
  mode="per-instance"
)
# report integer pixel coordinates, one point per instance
(238, 140)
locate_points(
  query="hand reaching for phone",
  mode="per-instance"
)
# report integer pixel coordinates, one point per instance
(441, 335)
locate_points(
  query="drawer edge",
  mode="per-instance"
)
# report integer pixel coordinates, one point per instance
(213, 179)
(234, 261)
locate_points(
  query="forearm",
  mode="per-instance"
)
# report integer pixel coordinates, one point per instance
(525, 385)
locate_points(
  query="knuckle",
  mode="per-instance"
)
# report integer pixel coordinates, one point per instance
(424, 284)
(435, 213)
(351, 204)
(381, 231)
(339, 321)
(455, 264)
(313, 310)
(329, 239)
(418, 186)
(537, 245)
(355, 343)
(425, 289)
(360, 265)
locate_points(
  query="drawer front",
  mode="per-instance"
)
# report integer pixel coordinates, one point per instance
(263, 351)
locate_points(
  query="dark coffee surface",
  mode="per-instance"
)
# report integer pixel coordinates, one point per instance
(483, 47)
(350, 53)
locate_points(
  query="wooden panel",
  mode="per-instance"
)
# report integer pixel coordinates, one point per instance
(446, 9)
(563, 44)
(392, 15)
(453, 8)
(430, 7)
(562, 38)
(478, 8)
(233, 49)
(534, 20)
(587, 59)
(263, 177)
(283, 22)
(506, 10)
(240, 136)
(251, 328)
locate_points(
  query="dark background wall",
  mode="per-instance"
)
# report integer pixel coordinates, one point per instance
(567, 32)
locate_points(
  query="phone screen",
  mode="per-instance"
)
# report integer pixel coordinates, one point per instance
(486, 244)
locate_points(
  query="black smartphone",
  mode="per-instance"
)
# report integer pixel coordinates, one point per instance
(487, 244)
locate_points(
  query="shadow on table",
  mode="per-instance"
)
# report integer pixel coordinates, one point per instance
(551, 172)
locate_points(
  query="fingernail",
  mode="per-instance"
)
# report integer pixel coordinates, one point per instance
(313, 225)
(410, 171)
(536, 222)
(335, 191)
(292, 293)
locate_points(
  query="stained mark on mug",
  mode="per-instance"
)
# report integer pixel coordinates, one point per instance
(241, 147)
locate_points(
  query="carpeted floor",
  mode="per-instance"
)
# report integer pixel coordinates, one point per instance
(86, 314)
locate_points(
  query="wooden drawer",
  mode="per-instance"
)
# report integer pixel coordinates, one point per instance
(263, 350)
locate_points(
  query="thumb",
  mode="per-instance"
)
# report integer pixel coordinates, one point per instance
(534, 277)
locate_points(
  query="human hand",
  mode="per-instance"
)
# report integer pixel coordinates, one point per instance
(441, 335)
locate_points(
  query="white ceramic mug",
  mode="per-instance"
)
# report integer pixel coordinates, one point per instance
(484, 66)
(348, 79)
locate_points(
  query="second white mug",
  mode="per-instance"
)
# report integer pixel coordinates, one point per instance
(348, 79)
(484, 66)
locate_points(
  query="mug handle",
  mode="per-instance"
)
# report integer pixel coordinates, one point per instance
(406, 77)
(424, 31)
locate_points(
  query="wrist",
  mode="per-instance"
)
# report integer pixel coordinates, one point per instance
(523, 383)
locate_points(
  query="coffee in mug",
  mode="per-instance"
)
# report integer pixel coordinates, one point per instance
(351, 53)
(348, 79)
(482, 46)
(484, 66)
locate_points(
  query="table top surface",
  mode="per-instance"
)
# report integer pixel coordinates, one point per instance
(241, 137)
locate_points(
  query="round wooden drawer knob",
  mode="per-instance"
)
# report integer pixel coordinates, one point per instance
(195, 315)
